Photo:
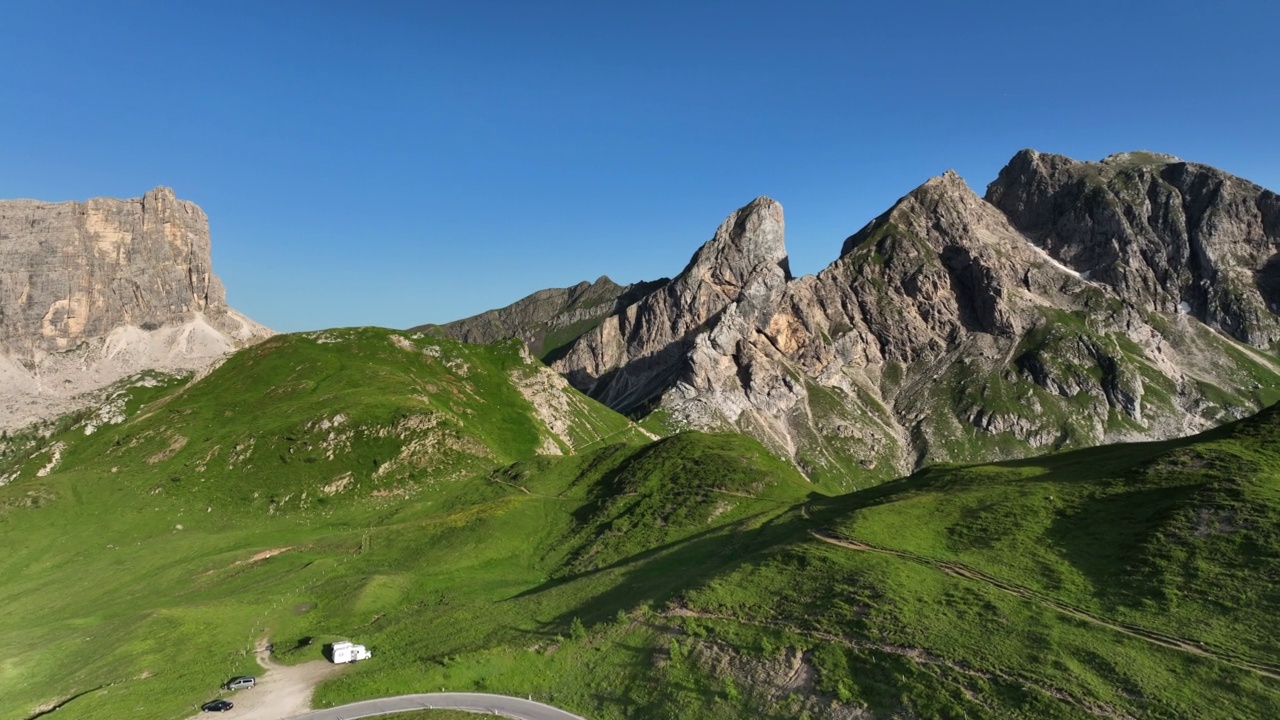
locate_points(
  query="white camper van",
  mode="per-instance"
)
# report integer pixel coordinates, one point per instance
(345, 652)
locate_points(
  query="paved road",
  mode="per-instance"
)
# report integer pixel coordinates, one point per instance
(472, 702)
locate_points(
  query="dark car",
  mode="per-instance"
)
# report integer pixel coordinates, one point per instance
(217, 706)
(243, 682)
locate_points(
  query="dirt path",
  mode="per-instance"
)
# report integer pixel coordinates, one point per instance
(1169, 641)
(282, 691)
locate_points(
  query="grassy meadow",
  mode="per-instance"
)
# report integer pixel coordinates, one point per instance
(398, 490)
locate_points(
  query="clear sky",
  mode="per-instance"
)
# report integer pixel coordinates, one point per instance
(398, 163)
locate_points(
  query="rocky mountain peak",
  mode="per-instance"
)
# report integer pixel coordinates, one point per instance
(751, 240)
(947, 189)
(1027, 171)
(1169, 236)
(741, 268)
(159, 194)
(949, 177)
(944, 209)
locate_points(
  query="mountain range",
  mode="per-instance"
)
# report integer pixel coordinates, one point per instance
(1076, 303)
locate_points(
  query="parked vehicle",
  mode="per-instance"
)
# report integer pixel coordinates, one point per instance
(243, 682)
(217, 706)
(346, 652)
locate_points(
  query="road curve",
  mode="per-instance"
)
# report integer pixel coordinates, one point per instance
(511, 707)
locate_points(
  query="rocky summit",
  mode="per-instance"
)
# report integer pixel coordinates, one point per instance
(93, 292)
(1077, 303)
(633, 355)
(1170, 236)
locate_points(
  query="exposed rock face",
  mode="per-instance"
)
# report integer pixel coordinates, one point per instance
(548, 320)
(1166, 234)
(558, 406)
(95, 291)
(637, 351)
(1077, 304)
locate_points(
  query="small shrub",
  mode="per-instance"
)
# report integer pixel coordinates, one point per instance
(577, 630)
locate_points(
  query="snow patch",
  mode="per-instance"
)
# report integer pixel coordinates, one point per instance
(1052, 261)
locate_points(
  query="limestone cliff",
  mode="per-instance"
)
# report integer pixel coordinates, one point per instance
(92, 292)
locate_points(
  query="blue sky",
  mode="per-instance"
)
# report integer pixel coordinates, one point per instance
(398, 163)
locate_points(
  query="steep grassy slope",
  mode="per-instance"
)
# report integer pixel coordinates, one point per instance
(1132, 580)
(1129, 581)
(1182, 537)
(347, 483)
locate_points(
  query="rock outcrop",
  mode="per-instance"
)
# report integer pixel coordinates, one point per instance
(93, 292)
(635, 353)
(1078, 303)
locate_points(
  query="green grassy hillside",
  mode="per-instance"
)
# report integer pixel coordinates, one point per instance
(404, 492)
(1131, 580)
(144, 558)
(1182, 536)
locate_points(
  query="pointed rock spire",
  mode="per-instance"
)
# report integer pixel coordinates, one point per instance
(632, 355)
(751, 238)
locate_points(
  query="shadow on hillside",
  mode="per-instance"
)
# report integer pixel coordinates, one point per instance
(1121, 458)
(1092, 463)
(1109, 538)
(631, 386)
(1101, 536)
(662, 573)
(657, 575)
